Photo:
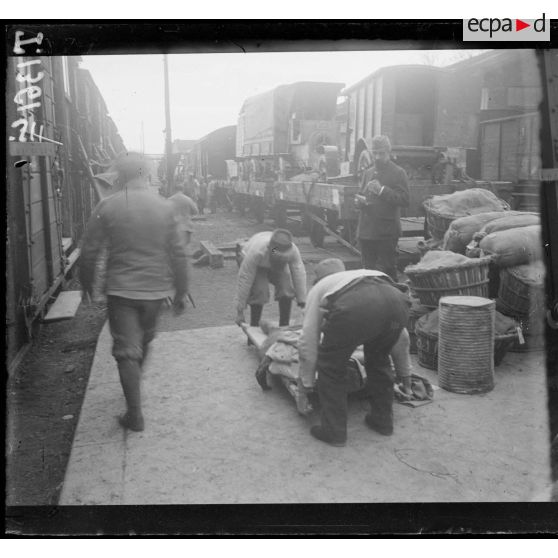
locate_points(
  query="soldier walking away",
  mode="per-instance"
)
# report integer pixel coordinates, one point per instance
(270, 257)
(346, 309)
(385, 190)
(146, 265)
(184, 209)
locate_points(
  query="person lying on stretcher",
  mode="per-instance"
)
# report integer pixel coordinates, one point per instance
(279, 356)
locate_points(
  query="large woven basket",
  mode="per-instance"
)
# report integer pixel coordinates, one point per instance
(437, 223)
(416, 311)
(427, 347)
(466, 344)
(467, 279)
(517, 298)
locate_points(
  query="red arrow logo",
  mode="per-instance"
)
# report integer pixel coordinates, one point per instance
(519, 25)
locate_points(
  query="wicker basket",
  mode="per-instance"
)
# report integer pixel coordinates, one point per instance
(517, 298)
(467, 279)
(502, 344)
(437, 223)
(416, 312)
(427, 347)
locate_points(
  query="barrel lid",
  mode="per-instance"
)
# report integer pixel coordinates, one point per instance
(472, 301)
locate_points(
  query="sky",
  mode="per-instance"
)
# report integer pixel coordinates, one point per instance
(207, 90)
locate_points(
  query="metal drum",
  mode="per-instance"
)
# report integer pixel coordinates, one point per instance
(466, 344)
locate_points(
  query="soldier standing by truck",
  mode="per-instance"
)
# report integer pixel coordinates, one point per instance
(385, 190)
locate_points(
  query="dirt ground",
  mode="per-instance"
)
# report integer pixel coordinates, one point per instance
(45, 394)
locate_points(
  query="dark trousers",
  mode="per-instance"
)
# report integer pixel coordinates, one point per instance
(370, 313)
(132, 326)
(380, 255)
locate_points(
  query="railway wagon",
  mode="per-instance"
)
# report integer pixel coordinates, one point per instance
(433, 138)
(288, 131)
(60, 135)
(209, 154)
(430, 115)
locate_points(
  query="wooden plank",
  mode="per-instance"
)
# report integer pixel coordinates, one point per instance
(66, 243)
(65, 307)
(412, 226)
(216, 257)
(335, 235)
(255, 334)
(71, 260)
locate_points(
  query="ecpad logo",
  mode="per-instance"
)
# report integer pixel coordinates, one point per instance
(506, 29)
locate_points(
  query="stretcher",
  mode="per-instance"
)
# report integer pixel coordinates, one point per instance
(265, 343)
(288, 374)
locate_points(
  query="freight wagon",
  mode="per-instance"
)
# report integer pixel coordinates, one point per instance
(470, 124)
(59, 136)
(288, 131)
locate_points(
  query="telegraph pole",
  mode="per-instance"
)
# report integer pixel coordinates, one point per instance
(168, 133)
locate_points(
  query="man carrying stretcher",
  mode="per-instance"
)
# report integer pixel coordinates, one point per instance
(346, 309)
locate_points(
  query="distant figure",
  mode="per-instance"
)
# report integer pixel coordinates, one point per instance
(146, 265)
(270, 257)
(385, 190)
(184, 209)
(202, 199)
(193, 187)
(212, 194)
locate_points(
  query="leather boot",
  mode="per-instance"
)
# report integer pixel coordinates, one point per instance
(284, 311)
(129, 372)
(380, 417)
(255, 314)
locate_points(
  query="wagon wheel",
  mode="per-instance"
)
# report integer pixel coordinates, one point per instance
(317, 231)
(364, 162)
(280, 215)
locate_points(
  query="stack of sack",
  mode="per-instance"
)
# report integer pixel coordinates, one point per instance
(475, 224)
(461, 231)
(514, 245)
